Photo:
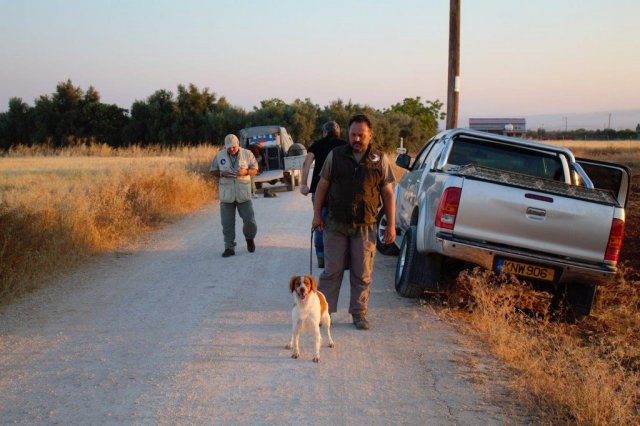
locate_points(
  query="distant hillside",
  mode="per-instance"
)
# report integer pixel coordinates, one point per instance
(620, 120)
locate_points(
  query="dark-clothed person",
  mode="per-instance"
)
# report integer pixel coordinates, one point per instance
(317, 153)
(353, 180)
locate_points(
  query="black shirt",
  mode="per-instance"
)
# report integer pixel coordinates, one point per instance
(320, 149)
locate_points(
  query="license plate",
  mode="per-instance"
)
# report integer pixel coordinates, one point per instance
(527, 270)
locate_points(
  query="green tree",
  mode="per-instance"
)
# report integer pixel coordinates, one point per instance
(408, 128)
(225, 119)
(16, 127)
(71, 115)
(66, 104)
(304, 121)
(46, 117)
(57, 116)
(98, 121)
(161, 116)
(427, 113)
(271, 111)
(104, 123)
(341, 112)
(193, 107)
(336, 111)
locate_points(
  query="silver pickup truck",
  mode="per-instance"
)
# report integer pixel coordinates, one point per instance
(509, 205)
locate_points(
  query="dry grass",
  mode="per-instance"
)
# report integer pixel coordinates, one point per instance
(586, 374)
(596, 145)
(58, 207)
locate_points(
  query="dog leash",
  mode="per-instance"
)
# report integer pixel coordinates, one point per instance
(311, 251)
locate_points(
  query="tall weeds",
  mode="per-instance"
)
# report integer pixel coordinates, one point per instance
(586, 373)
(58, 208)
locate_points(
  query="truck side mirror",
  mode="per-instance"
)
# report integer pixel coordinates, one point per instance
(403, 160)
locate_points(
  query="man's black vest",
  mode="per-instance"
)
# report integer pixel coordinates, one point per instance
(354, 194)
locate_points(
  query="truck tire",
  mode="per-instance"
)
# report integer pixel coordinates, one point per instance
(416, 272)
(572, 302)
(258, 185)
(381, 246)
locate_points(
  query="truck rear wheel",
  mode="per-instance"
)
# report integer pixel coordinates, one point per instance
(384, 248)
(572, 302)
(416, 272)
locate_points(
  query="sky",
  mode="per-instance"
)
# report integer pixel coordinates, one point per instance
(517, 58)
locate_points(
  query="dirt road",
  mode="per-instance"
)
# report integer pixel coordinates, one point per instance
(175, 334)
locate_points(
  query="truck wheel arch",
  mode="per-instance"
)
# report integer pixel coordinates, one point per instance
(416, 272)
(386, 249)
(421, 220)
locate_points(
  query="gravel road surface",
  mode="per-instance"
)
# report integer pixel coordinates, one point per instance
(172, 333)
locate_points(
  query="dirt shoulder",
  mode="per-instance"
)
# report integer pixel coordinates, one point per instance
(173, 333)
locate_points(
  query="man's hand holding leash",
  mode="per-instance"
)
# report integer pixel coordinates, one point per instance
(304, 189)
(386, 193)
(317, 224)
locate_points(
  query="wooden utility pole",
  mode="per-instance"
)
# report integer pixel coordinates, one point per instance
(454, 64)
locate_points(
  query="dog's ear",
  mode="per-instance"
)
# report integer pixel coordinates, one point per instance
(314, 284)
(292, 283)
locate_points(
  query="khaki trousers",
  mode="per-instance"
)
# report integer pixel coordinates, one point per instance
(358, 249)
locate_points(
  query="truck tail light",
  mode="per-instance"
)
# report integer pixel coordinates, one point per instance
(615, 240)
(448, 208)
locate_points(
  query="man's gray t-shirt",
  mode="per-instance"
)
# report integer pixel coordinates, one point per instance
(386, 168)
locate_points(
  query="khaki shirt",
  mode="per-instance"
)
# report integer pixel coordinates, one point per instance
(236, 189)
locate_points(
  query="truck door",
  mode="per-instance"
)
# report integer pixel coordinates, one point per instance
(409, 185)
(612, 177)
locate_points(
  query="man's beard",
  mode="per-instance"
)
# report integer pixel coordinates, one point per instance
(358, 147)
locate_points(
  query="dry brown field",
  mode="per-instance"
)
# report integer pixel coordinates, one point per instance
(58, 207)
(596, 145)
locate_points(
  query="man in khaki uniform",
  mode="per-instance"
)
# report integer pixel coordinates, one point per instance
(354, 179)
(234, 166)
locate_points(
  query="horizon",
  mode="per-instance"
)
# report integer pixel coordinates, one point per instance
(528, 59)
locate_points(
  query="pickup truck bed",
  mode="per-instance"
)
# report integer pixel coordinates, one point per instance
(535, 219)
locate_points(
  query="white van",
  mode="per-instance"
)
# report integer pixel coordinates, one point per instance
(270, 145)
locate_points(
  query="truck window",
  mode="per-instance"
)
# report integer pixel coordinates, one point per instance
(420, 161)
(508, 158)
(606, 178)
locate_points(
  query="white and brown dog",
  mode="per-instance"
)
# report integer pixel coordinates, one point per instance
(310, 310)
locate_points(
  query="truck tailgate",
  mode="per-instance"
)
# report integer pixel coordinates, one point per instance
(269, 175)
(538, 221)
